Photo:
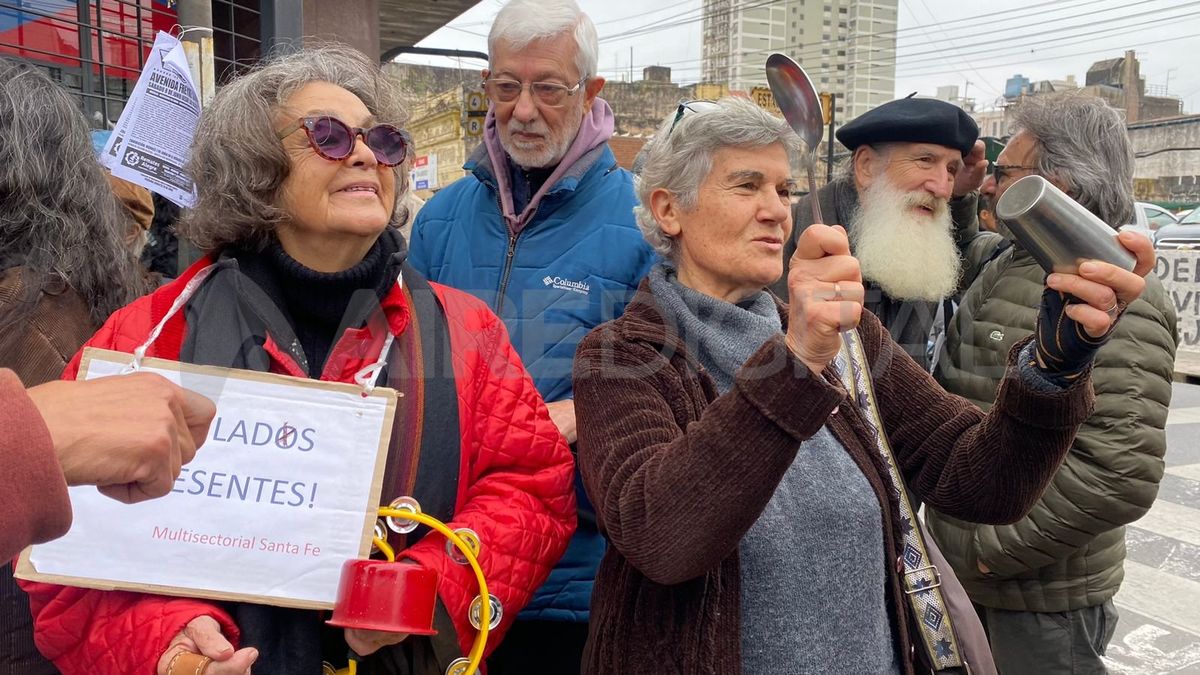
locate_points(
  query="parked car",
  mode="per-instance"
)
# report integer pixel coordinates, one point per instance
(1184, 235)
(1148, 218)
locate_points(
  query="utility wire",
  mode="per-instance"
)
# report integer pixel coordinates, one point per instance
(991, 34)
(904, 61)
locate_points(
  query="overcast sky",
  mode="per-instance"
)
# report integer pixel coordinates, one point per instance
(940, 42)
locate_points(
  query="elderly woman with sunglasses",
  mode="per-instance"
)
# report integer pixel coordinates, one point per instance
(750, 514)
(299, 168)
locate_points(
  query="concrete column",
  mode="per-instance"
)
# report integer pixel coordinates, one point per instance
(353, 23)
(1132, 83)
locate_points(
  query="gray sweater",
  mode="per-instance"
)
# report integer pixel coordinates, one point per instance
(813, 568)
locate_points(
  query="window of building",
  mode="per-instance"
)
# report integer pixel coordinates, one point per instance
(96, 48)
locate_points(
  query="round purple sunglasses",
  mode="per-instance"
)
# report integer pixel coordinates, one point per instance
(334, 140)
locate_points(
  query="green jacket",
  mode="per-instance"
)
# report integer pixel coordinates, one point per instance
(1069, 552)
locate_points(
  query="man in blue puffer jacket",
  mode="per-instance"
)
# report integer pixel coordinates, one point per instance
(543, 231)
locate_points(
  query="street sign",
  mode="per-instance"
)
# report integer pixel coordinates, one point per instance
(424, 173)
(476, 101)
(763, 97)
(475, 126)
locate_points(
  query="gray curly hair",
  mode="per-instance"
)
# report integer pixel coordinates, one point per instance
(680, 156)
(1083, 143)
(521, 22)
(239, 165)
(61, 222)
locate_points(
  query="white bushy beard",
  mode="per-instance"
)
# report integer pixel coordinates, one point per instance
(908, 255)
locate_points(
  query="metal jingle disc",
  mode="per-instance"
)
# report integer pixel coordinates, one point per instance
(380, 533)
(497, 612)
(470, 539)
(458, 666)
(399, 525)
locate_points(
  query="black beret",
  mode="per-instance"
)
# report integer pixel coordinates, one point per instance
(912, 120)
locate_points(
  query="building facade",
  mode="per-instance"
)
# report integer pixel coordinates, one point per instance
(847, 47)
(96, 48)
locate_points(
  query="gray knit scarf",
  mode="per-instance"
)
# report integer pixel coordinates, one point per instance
(721, 335)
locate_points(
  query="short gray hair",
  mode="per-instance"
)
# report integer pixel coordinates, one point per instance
(680, 158)
(238, 162)
(1082, 142)
(521, 22)
(61, 222)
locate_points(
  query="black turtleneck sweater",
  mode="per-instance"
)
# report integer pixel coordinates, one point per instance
(321, 306)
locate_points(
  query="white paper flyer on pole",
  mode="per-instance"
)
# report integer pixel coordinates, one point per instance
(152, 140)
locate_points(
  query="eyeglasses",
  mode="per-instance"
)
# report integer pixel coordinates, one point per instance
(334, 140)
(693, 106)
(1001, 171)
(550, 94)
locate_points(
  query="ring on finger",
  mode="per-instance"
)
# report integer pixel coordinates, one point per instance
(1115, 310)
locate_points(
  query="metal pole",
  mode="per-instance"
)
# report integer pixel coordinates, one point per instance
(86, 81)
(829, 143)
(283, 26)
(195, 17)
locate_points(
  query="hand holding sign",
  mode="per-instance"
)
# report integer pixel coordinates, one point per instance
(201, 648)
(127, 435)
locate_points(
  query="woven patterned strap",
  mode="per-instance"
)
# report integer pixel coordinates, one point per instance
(921, 581)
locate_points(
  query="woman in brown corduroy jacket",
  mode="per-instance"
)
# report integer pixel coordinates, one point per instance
(751, 520)
(65, 265)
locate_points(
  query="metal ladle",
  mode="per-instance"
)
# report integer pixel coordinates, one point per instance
(797, 98)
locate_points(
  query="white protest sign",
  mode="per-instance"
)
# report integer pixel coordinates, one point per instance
(152, 140)
(283, 492)
(1179, 272)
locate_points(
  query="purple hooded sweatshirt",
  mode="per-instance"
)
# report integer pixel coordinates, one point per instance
(594, 131)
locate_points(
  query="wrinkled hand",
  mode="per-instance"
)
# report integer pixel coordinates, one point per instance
(1079, 311)
(562, 413)
(366, 642)
(974, 169)
(203, 636)
(825, 295)
(129, 434)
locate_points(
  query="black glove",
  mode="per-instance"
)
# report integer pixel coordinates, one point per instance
(1062, 348)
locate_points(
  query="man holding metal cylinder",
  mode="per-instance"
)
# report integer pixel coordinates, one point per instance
(1044, 585)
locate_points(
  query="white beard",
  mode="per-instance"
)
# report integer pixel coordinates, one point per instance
(554, 145)
(908, 255)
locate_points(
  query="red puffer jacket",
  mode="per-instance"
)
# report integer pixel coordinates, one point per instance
(514, 462)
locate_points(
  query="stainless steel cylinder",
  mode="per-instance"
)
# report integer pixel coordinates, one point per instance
(1058, 231)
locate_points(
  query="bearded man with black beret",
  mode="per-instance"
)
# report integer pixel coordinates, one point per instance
(907, 198)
